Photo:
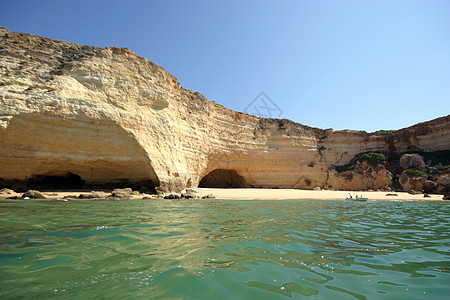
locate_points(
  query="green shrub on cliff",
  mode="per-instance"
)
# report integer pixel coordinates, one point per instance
(415, 172)
(373, 158)
(344, 168)
(384, 131)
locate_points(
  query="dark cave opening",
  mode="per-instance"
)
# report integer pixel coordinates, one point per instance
(72, 181)
(221, 178)
(53, 182)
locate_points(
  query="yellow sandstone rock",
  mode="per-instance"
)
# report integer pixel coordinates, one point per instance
(110, 117)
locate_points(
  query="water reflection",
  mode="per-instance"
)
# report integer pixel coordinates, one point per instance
(267, 248)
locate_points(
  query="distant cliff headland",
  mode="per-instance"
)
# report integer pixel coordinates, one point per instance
(75, 116)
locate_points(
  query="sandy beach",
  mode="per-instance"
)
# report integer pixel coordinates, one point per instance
(268, 194)
(273, 194)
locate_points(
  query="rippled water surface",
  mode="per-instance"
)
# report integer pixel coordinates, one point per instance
(216, 249)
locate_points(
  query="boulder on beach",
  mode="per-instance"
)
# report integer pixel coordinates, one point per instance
(122, 193)
(209, 196)
(411, 182)
(6, 191)
(443, 184)
(430, 186)
(413, 192)
(189, 194)
(33, 194)
(93, 195)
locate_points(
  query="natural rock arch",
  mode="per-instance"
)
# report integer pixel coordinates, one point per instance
(42, 149)
(223, 178)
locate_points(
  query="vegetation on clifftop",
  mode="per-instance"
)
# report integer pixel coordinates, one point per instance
(384, 131)
(373, 158)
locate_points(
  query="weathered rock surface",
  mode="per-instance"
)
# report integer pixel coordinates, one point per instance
(189, 194)
(32, 194)
(93, 195)
(443, 184)
(6, 191)
(364, 176)
(412, 161)
(412, 182)
(88, 116)
(430, 187)
(122, 193)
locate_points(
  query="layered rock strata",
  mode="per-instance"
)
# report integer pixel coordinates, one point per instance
(109, 117)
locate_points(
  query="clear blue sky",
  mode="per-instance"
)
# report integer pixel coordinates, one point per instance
(362, 64)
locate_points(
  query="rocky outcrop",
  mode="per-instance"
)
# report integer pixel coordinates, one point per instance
(363, 176)
(430, 187)
(122, 193)
(32, 194)
(443, 184)
(411, 182)
(412, 161)
(87, 116)
(6, 191)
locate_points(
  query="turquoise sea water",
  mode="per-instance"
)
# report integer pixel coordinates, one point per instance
(218, 249)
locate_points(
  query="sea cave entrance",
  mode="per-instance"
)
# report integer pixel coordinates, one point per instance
(72, 154)
(222, 178)
(72, 181)
(68, 181)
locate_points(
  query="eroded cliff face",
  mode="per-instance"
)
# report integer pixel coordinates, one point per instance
(112, 117)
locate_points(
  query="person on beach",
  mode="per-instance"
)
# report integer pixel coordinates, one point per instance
(350, 195)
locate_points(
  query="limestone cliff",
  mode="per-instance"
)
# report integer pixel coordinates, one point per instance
(109, 117)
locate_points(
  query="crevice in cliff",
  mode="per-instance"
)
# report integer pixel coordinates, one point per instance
(322, 157)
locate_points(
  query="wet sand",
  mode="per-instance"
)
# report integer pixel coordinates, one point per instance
(268, 194)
